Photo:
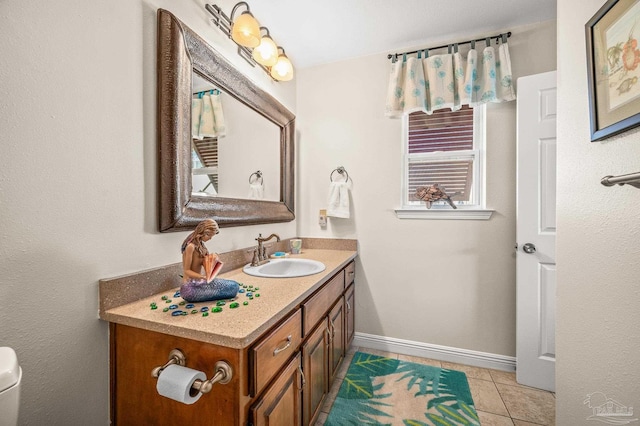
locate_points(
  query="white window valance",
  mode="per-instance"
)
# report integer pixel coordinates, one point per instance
(449, 81)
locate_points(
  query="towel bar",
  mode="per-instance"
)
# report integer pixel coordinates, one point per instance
(341, 171)
(258, 178)
(632, 179)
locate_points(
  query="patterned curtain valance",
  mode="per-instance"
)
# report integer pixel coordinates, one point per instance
(450, 81)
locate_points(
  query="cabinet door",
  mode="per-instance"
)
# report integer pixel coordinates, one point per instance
(315, 362)
(336, 340)
(281, 404)
(350, 316)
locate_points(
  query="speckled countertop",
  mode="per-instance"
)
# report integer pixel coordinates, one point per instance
(239, 327)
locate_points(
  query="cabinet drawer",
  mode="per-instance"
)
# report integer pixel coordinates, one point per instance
(318, 305)
(350, 271)
(273, 350)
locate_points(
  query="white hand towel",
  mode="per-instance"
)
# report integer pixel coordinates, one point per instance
(216, 104)
(338, 200)
(207, 120)
(256, 191)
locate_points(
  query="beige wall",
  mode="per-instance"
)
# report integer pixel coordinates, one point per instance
(78, 186)
(448, 283)
(598, 300)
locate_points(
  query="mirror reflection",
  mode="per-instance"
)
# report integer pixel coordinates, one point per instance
(181, 53)
(235, 151)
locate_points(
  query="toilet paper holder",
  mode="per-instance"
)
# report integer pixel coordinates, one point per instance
(223, 371)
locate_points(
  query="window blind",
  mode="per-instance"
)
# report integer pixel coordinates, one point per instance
(441, 151)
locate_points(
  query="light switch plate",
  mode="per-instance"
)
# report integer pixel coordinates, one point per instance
(322, 218)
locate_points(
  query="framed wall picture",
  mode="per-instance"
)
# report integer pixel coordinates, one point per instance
(613, 64)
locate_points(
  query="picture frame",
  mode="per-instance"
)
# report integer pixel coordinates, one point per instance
(613, 68)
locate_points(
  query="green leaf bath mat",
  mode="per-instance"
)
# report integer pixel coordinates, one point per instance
(386, 391)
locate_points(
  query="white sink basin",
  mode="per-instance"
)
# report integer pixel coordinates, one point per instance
(285, 268)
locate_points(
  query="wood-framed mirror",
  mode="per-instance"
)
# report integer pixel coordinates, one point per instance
(181, 52)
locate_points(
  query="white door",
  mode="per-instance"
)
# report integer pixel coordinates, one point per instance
(536, 231)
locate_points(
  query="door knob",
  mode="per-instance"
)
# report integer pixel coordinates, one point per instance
(529, 248)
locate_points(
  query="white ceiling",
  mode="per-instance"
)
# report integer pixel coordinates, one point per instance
(315, 32)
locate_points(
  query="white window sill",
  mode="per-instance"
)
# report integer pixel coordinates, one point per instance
(442, 214)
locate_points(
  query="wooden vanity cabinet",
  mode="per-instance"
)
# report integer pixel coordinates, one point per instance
(324, 349)
(336, 320)
(324, 344)
(349, 315)
(134, 352)
(315, 363)
(283, 378)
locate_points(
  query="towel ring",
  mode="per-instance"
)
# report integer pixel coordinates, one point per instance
(258, 176)
(341, 171)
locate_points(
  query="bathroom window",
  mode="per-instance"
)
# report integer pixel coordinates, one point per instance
(445, 148)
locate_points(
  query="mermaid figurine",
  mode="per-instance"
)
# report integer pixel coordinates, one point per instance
(195, 286)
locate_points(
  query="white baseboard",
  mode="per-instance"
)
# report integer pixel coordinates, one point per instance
(440, 353)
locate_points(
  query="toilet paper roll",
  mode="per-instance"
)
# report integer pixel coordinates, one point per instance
(175, 382)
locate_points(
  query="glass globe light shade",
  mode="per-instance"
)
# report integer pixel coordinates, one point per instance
(246, 30)
(266, 53)
(282, 70)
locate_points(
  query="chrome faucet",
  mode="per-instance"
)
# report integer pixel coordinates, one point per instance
(260, 253)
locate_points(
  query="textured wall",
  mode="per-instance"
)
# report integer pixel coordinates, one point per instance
(449, 283)
(78, 186)
(598, 339)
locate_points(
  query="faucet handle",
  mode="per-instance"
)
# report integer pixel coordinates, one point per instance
(256, 260)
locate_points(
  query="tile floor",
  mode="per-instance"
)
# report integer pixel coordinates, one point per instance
(498, 399)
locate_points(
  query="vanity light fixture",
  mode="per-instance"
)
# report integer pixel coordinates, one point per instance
(282, 70)
(245, 30)
(267, 52)
(255, 48)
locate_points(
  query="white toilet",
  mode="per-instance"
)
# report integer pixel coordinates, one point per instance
(10, 377)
